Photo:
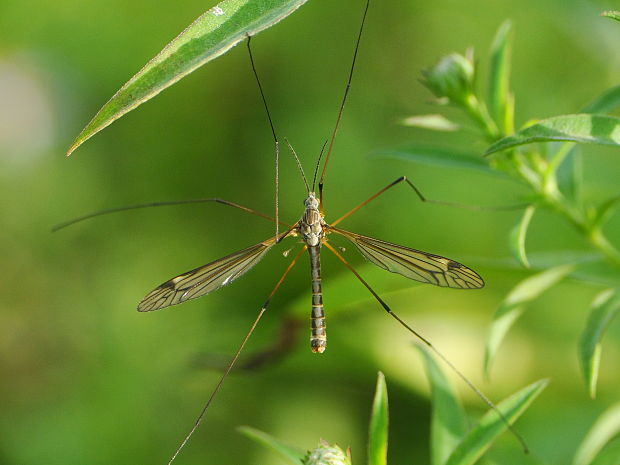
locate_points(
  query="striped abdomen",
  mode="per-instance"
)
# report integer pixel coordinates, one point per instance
(318, 340)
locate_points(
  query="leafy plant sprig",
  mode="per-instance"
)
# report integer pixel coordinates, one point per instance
(552, 173)
(452, 442)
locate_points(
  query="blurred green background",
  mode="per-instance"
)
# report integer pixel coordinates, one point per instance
(88, 380)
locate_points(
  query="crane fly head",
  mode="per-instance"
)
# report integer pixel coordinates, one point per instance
(312, 202)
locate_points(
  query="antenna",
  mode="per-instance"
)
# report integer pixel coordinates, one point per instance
(318, 163)
(301, 168)
(107, 211)
(273, 132)
(344, 100)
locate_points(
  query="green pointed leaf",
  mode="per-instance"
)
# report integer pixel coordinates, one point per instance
(611, 14)
(211, 35)
(378, 428)
(592, 268)
(438, 156)
(292, 454)
(606, 428)
(490, 426)
(448, 421)
(604, 309)
(434, 122)
(586, 128)
(570, 174)
(499, 75)
(604, 211)
(518, 234)
(514, 304)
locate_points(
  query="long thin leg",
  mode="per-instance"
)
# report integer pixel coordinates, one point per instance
(471, 385)
(424, 199)
(344, 100)
(162, 204)
(273, 132)
(235, 358)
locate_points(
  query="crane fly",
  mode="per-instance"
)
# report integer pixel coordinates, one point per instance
(313, 230)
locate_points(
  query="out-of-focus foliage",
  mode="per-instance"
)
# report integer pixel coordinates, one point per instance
(86, 379)
(451, 443)
(538, 170)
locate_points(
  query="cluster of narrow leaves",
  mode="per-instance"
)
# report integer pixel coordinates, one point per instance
(542, 155)
(452, 442)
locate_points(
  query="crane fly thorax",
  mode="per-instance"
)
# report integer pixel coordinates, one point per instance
(311, 224)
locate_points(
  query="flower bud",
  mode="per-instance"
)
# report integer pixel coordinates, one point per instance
(326, 454)
(452, 78)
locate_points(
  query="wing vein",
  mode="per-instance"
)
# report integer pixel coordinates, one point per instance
(412, 263)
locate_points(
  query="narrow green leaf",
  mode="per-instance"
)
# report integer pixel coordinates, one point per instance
(604, 103)
(378, 428)
(570, 174)
(604, 309)
(604, 430)
(448, 422)
(514, 304)
(490, 426)
(604, 211)
(292, 454)
(211, 35)
(434, 122)
(499, 75)
(438, 156)
(518, 234)
(611, 14)
(586, 128)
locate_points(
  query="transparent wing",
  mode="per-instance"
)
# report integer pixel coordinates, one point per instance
(414, 264)
(207, 278)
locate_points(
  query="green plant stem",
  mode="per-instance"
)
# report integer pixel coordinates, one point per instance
(553, 198)
(540, 175)
(480, 114)
(598, 240)
(559, 157)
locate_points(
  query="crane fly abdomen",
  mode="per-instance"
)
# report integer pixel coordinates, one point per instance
(310, 228)
(318, 339)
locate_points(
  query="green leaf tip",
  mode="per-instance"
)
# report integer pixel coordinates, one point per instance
(584, 128)
(499, 76)
(491, 425)
(214, 33)
(603, 310)
(611, 14)
(291, 454)
(604, 430)
(434, 122)
(378, 428)
(513, 306)
(448, 420)
(439, 156)
(518, 234)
